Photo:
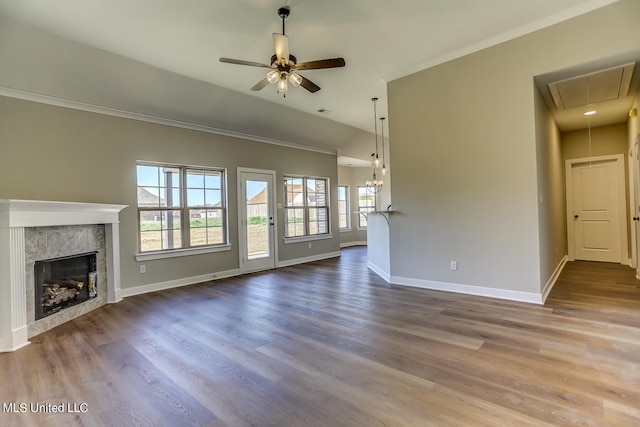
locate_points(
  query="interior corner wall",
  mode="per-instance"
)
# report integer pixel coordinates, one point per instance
(61, 154)
(552, 228)
(464, 135)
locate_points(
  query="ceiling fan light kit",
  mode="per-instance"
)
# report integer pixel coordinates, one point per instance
(284, 66)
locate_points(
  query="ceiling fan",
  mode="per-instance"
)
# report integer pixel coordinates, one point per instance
(284, 66)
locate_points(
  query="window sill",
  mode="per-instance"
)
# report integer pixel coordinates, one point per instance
(148, 256)
(345, 230)
(288, 240)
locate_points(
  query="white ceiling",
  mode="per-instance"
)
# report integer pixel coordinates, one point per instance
(380, 40)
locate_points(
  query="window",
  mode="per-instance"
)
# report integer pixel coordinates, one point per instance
(344, 222)
(306, 207)
(180, 207)
(366, 203)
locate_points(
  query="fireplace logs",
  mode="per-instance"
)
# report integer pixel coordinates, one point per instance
(56, 292)
(64, 282)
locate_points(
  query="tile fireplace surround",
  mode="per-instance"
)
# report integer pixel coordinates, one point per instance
(18, 215)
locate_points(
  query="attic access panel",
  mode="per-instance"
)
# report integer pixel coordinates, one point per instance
(605, 85)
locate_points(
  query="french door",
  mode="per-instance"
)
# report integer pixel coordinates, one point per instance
(257, 219)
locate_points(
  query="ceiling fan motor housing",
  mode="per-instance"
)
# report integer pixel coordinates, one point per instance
(283, 12)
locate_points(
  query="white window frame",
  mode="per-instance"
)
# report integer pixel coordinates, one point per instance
(306, 208)
(362, 209)
(184, 209)
(347, 208)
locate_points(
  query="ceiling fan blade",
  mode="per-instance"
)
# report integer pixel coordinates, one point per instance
(261, 84)
(242, 62)
(321, 63)
(281, 46)
(309, 85)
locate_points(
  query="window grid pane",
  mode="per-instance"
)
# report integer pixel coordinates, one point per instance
(160, 230)
(293, 190)
(294, 222)
(318, 221)
(158, 187)
(206, 227)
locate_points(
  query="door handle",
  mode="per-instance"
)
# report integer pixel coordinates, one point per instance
(271, 220)
(576, 216)
(636, 218)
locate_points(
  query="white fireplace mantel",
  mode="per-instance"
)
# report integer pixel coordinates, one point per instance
(15, 216)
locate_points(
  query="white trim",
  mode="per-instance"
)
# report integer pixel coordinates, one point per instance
(174, 253)
(528, 297)
(554, 277)
(39, 213)
(185, 281)
(319, 257)
(379, 271)
(75, 105)
(356, 243)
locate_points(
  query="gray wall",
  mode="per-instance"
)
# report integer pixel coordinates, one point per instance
(54, 153)
(464, 134)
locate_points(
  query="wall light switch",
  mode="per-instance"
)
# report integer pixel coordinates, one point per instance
(454, 265)
(143, 269)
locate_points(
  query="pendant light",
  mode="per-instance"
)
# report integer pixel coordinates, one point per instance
(384, 166)
(375, 185)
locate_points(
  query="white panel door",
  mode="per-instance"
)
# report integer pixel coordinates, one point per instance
(596, 215)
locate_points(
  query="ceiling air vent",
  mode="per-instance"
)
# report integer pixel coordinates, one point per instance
(605, 85)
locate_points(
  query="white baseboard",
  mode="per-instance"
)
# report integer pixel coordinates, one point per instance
(19, 338)
(138, 290)
(319, 257)
(379, 271)
(554, 277)
(471, 290)
(154, 287)
(349, 244)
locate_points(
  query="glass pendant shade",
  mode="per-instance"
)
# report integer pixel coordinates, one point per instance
(273, 76)
(295, 79)
(282, 84)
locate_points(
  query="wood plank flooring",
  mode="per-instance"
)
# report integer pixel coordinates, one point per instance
(329, 343)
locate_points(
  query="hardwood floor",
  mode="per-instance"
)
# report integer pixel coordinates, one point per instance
(331, 344)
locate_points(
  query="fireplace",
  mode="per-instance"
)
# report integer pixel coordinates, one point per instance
(32, 230)
(64, 282)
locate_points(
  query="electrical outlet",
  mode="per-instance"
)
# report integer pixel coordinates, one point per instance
(309, 245)
(454, 265)
(143, 269)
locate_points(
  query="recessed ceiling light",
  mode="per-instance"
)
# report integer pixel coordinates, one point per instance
(589, 113)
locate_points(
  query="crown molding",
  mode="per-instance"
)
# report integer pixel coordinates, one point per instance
(76, 105)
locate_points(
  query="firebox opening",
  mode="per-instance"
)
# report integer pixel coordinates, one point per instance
(64, 282)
